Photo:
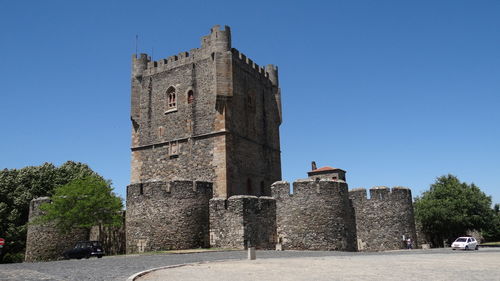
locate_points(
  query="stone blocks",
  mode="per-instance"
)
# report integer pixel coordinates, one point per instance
(383, 220)
(167, 215)
(243, 220)
(317, 216)
(45, 242)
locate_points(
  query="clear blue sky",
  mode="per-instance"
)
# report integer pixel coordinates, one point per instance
(394, 92)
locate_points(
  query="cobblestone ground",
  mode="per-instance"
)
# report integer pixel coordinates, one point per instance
(121, 267)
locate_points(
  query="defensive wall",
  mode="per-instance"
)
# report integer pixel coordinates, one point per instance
(44, 242)
(316, 216)
(243, 220)
(384, 219)
(167, 215)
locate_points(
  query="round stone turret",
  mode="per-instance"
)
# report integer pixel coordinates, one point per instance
(139, 64)
(219, 40)
(45, 242)
(389, 212)
(167, 215)
(317, 216)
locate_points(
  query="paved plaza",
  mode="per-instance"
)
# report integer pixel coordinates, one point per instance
(435, 264)
(484, 265)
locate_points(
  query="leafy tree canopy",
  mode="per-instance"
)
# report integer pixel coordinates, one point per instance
(19, 186)
(450, 208)
(83, 203)
(492, 232)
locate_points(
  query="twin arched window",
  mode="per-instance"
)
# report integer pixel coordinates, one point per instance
(171, 98)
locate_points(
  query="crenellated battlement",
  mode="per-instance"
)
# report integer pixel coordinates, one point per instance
(182, 58)
(163, 215)
(381, 193)
(264, 73)
(219, 40)
(324, 187)
(171, 188)
(242, 219)
(225, 203)
(316, 216)
(389, 211)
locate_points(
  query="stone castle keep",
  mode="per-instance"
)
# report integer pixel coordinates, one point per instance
(206, 167)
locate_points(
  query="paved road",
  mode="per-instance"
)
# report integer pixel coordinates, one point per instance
(121, 267)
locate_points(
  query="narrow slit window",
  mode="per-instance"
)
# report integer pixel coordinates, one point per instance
(190, 97)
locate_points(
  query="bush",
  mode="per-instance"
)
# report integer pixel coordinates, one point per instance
(13, 258)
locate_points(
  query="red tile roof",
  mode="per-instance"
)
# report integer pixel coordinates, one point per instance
(326, 168)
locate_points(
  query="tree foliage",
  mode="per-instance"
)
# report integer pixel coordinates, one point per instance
(83, 203)
(492, 232)
(19, 186)
(450, 208)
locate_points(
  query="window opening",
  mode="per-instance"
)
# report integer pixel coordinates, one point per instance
(190, 96)
(171, 98)
(249, 186)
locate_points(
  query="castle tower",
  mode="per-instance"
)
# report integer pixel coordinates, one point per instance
(318, 215)
(385, 219)
(44, 241)
(210, 114)
(205, 123)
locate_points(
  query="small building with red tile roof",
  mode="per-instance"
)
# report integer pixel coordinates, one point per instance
(326, 172)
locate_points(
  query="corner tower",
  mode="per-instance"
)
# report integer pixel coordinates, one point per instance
(210, 114)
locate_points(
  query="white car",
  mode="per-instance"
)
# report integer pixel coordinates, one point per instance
(465, 243)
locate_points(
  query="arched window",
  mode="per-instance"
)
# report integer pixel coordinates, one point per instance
(171, 98)
(190, 96)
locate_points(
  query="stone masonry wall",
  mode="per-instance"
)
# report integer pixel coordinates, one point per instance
(317, 216)
(382, 220)
(227, 134)
(254, 125)
(44, 242)
(243, 219)
(167, 215)
(176, 143)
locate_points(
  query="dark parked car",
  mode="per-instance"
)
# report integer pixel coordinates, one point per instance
(85, 249)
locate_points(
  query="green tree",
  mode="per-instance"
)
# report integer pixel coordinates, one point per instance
(18, 187)
(492, 232)
(83, 203)
(450, 208)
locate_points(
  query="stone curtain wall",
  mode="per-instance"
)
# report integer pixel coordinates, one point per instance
(243, 219)
(44, 242)
(382, 220)
(167, 215)
(317, 216)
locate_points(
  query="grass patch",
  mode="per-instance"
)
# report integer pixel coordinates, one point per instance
(491, 243)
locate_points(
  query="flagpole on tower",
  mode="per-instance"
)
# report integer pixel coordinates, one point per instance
(136, 42)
